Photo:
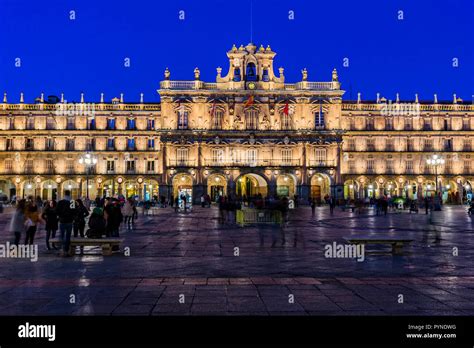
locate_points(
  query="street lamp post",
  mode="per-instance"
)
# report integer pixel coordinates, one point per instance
(89, 161)
(436, 161)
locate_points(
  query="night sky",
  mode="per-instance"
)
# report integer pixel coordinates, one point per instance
(386, 55)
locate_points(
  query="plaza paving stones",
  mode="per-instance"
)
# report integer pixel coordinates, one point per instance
(184, 264)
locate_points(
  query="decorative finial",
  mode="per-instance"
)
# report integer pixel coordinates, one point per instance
(82, 97)
(234, 48)
(435, 98)
(167, 74)
(141, 98)
(398, 98)
(334, 75)
(219, 71)
(241, 48)
(416, 98)
(62, 97)
(42, 97)
(358, 98)
(4, 97)
(102, 97)
(121, 97)
(269, 49)
(197, 73)
(378, 98)
(22, 99)
(454, 99)
(304, 72)
(261, 49)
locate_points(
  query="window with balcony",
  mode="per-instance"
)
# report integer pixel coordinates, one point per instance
(131, 146)
(70, 144)
(428, 144)
(352, 123)
(448, 169)
(29, 144)
(9, 145)
(49, 144)
(130, 166)
(90, 144)
(29, 166)
(351, 166)
(110, 124)
(150, 144)
(150, 124)
(49, 166)
(410, 144)
(427, 124)
(351, 144)
(319, 121)
(448, 144)
(370, 144)
(447, 125)
(131, 124)
(369, 123)
(389, 145)
(69, 166)
(251, 119)
(389, 123)
(252, 157)
(217, 118)
(408, 123)
(217, 156)
(50, 123)
(320, 156)
(182, 119)
(11, 123)
(110, 166)
(286, 123)
(91, 124)
(467, 145)
(370, 165)
(409, 166)
(182, 156)
(8, 165)
(30, 123)
(389, 168)
(70, 123)
(110, 144)
(466, 124)
(467, 167)
(150, 166)
(286, 156)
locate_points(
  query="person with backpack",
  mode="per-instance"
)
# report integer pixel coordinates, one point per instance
(66, 210)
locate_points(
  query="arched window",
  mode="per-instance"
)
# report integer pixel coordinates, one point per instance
(251, 119)
(237, 76)
(251, 73)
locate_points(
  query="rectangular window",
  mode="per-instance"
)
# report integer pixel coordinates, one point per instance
(29, 145)
(49, 165)
(410, 144)
(110, 144)
(130, 166)
(467, 145)
(319, 118)
(427, 124)
(428, 146)
(409, 166)
(150, 124)
(9, 145)
(370, 144)
(466, 124)
(151, 144)
(389, 145)
(30, 123)
(50, 123)
(448, 169)
(11, 123)
(252, 157)
(29, 166)
(285, 122)
(351, 166)
(131, 144)
(90, 144)
(70, 123)
(448, 144)
(251, 119)
(110, 124)
(370, 166)
(110, 166)
(286, 156)
(150, 166)
(182, 156)
(182, 120)
(49, 144)
(70, 145)
(467, 167)
(8, 165)
(351, 144)
(369, 125)
(70, 166)
(389, 166)
(389, 123)
(217, 156)
(217, 119)
(352, 123)
(408, 123)
(92, 125)
(320, 156)
(131, 124)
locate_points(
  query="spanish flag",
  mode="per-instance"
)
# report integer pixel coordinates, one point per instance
(249, 101)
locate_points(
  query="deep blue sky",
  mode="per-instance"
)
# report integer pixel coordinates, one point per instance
(386, 55)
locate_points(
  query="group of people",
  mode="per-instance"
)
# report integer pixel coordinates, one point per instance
(69, 217)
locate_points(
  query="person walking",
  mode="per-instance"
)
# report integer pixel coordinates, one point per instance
(17, 222)
(127, 212)
(80, 218)
(51, 217)
(332, 205)
(427, 205)
(33, 218)
(66, 210)
(313, 208)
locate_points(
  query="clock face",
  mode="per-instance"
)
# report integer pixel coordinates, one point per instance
(251, 85)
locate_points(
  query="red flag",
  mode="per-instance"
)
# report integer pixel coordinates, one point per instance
(249, 101)
(286, 109)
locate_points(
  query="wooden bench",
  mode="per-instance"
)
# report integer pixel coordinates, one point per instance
(397, 244)
(105, 243)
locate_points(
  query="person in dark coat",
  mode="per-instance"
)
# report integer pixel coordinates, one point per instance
(80, 218)
(114, 217)
(51, 217)
(97, 224)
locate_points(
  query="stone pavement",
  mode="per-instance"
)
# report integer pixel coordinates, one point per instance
(186, 264)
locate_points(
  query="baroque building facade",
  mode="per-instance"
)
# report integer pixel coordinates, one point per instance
(248, 133)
